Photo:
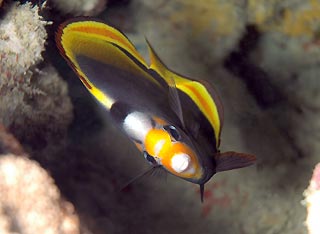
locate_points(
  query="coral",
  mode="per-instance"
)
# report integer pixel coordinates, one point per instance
(292, 18)
(30, 202)
(8, 144)
(22, 38)
(222, 23)
(82, 7)
(38, 112)
(36, 109)
(301, 21)
(202, 15)
(260, 12)
(205, 30)
(213, 27)
(312, 201)
(304, 21)
(293, 71)
(34, 104)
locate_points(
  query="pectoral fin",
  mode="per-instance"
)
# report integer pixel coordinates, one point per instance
(233, 160)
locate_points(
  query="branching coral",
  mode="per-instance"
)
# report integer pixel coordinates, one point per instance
(22, 38)
(34, 104)
(40, 113)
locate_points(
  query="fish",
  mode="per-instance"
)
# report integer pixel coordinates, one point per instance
(174, 121)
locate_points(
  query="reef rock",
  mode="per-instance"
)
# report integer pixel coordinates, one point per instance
(80, 7)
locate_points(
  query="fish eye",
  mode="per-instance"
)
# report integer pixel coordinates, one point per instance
(173, 132)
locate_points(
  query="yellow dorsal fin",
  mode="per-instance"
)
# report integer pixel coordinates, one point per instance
(196, 90)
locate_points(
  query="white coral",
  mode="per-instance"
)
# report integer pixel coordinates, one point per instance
(312, 201)
(22, 39)
(30, 202)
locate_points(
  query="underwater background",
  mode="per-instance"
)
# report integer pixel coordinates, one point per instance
(63, 163)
